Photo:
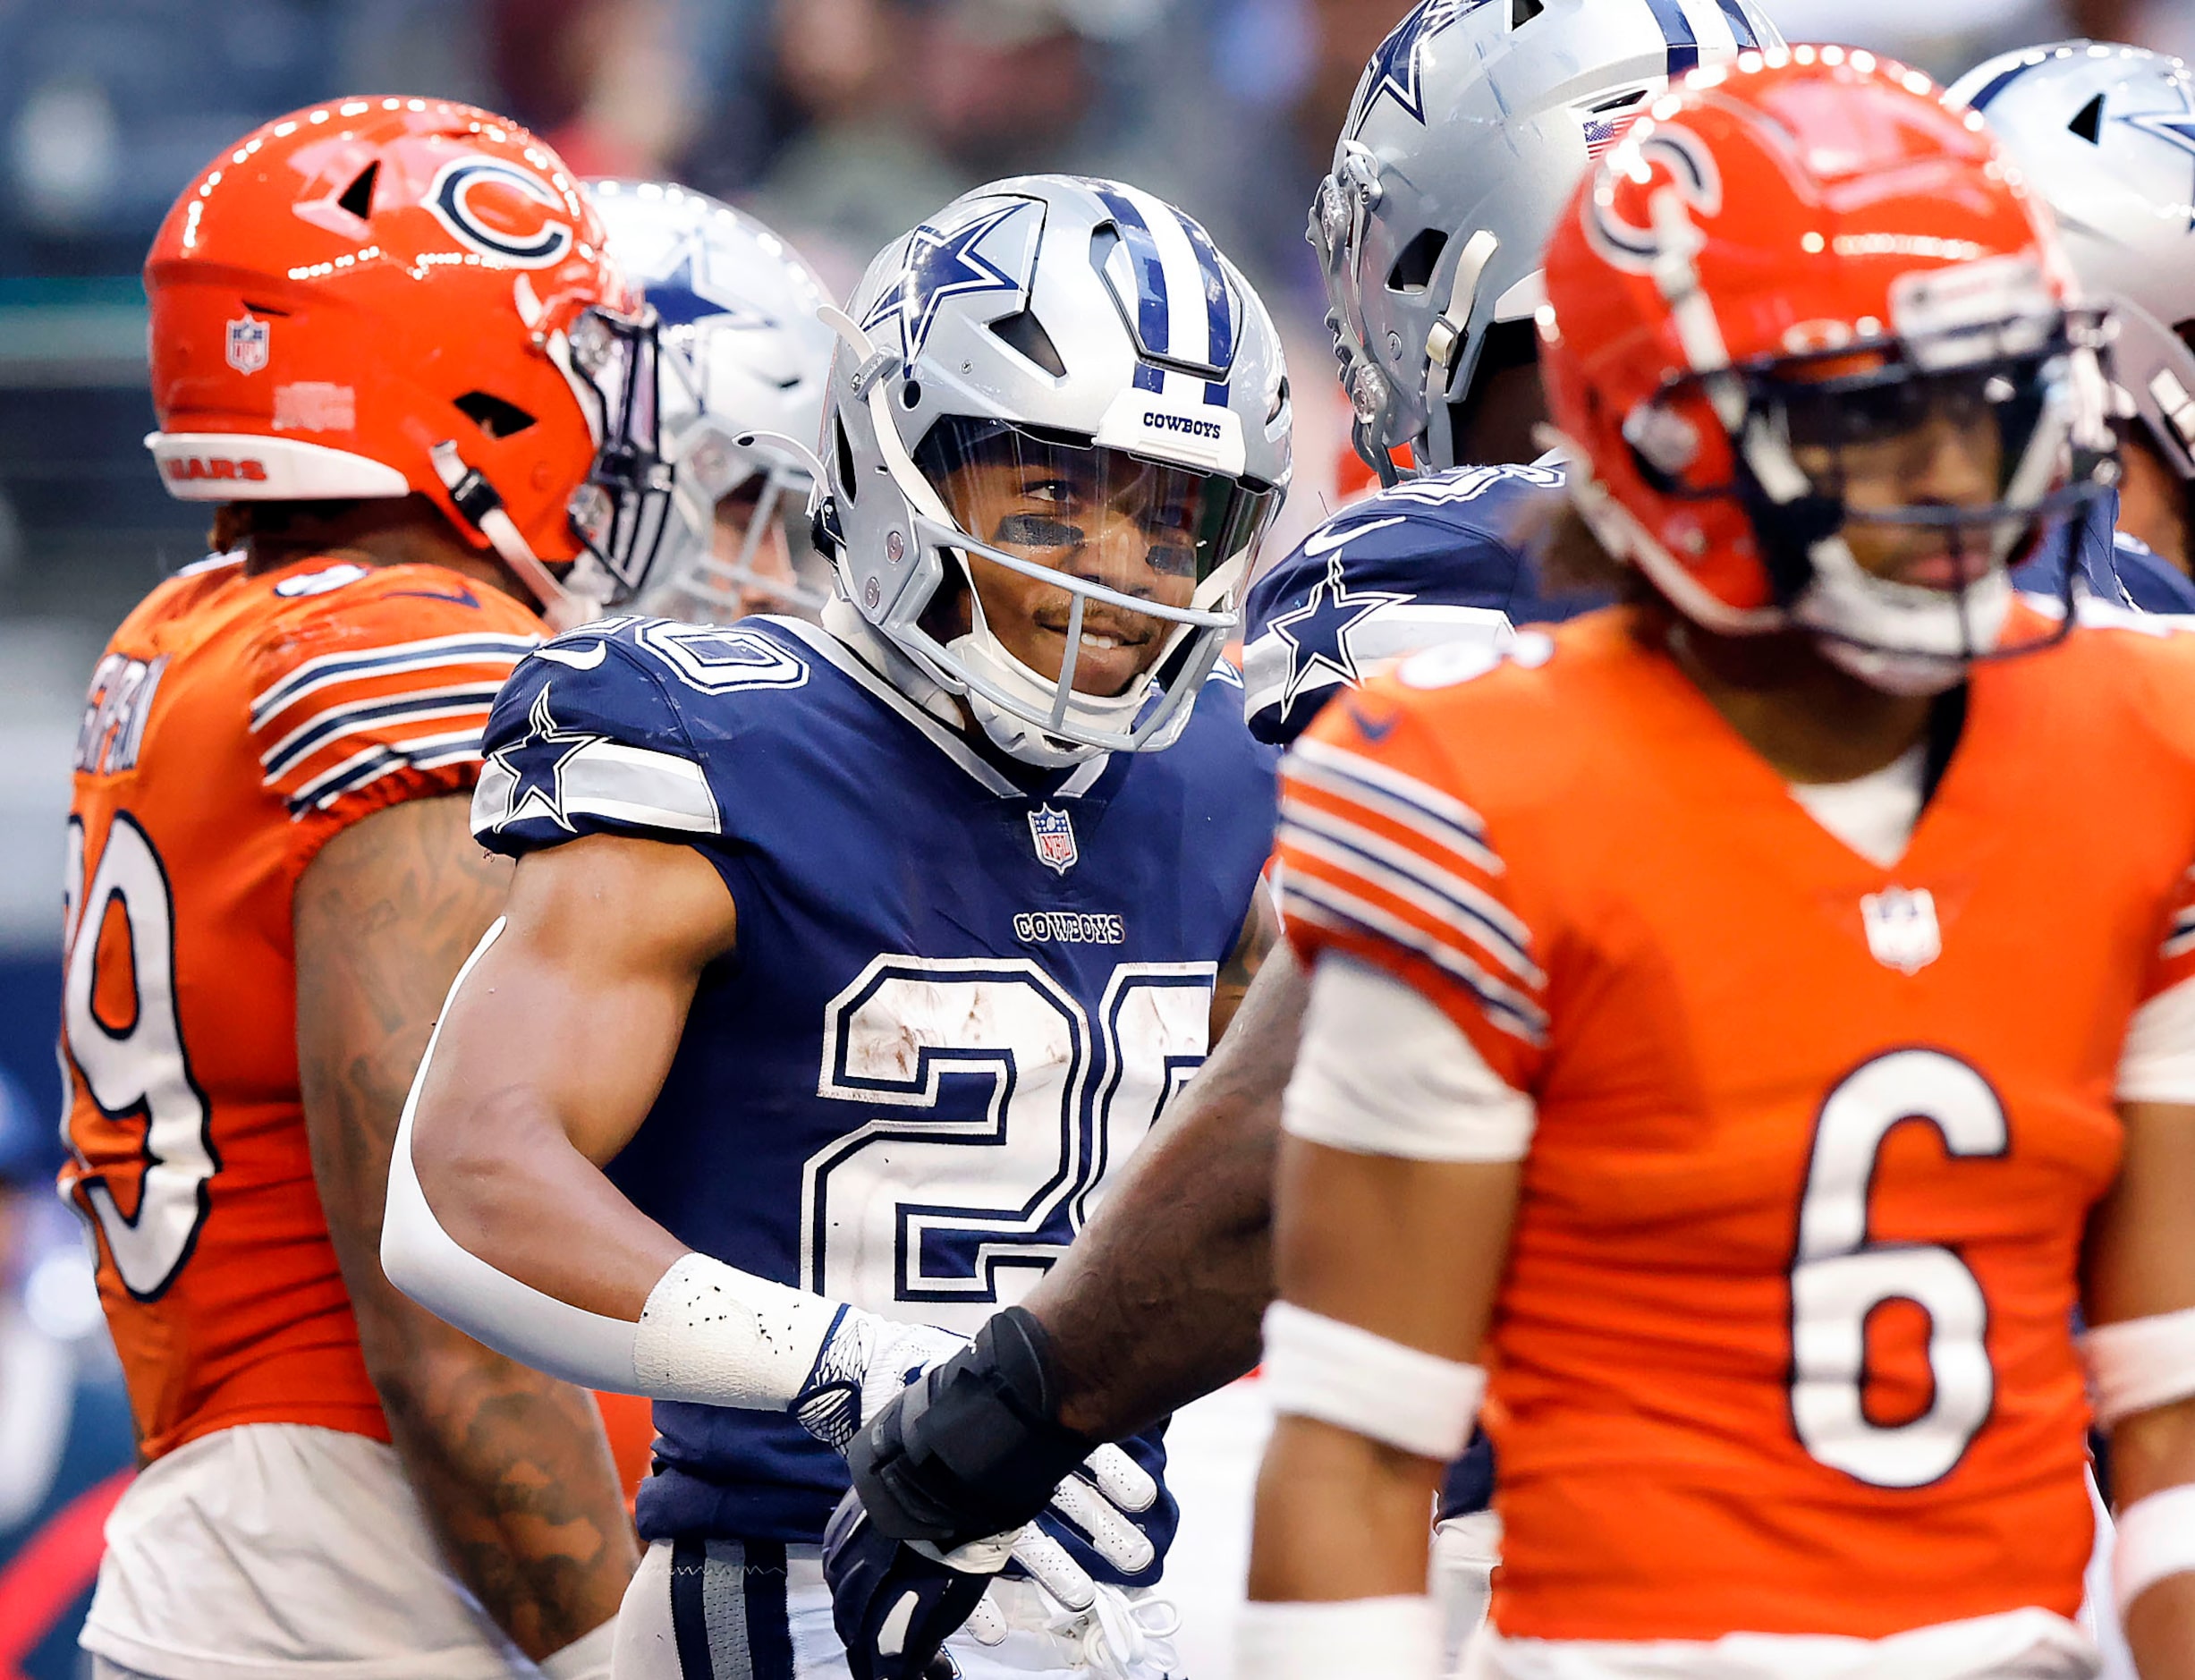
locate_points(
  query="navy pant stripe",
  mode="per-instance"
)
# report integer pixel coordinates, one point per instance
(689, 1615)
(769, 1629)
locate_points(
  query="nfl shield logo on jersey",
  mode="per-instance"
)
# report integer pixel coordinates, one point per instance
(1901, 928)
(1054, 833)
(248, 344)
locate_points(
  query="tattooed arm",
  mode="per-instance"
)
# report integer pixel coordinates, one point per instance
(510, 1466)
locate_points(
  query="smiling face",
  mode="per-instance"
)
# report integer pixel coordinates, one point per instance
(1094, 515)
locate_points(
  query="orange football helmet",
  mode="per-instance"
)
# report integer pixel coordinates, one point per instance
(1801, 257)
(378, 297)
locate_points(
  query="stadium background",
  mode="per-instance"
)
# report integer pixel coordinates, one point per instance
(840, 122)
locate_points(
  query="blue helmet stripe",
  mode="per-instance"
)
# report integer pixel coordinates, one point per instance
(1740, 25)
(1153, 322)
(1219, 305)
(1677, 31)
(1997, 84)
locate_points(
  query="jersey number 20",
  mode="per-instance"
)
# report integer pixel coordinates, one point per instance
(1841, 1275)
(136, 1072)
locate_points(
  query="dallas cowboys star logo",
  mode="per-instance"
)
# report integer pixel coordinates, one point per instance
(941, 265)
(1393, 71)
(1318, 632)
(536, 764)
(2175, 128)
(686, 297)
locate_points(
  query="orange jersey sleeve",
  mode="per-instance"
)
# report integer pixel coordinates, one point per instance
(1381, 858)
(235, 724)
(382, 696)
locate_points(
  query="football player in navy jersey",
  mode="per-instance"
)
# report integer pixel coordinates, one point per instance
(845, 964)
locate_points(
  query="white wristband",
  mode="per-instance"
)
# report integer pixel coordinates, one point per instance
(1316, 1367)
(1355, 1638)
(728, 1338)
(586, 1658)
(2156, 1539)
(2139, 1363)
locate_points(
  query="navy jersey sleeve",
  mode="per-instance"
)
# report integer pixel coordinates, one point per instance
(2111, 567)
(1433, 560)
(592, 735)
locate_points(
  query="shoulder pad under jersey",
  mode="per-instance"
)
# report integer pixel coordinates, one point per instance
(1431, 560)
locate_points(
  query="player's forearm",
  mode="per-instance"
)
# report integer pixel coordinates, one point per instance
(513, 1472)
(1339, 1517)
(2153, 1454)
(1158, 1300)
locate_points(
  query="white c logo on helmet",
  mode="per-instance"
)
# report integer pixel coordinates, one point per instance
(1693, 176)
(450, 199)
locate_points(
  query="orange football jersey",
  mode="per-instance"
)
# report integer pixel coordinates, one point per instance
(236, 723)
(1784, 1345)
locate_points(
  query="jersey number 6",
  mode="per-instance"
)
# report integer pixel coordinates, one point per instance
(1841, 1275)
(136, 1072)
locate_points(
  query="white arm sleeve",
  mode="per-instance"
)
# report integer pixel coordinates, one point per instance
(1383, 1072)
(2157, 1063)
(708, 1332)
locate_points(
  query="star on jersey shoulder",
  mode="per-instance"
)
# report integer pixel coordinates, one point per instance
(536, 762)
(941, 264)
(1397, 65)
(1318, 632)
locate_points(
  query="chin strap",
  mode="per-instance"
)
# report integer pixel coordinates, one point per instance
(478, 501)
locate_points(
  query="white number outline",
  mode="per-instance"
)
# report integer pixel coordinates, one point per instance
(1090, 1131)
(1839, 1275)
(149, 1248)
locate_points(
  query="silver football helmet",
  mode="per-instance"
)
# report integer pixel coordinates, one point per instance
(1055, 382)
(743, 356)
(2105, 135)
(1470, 126)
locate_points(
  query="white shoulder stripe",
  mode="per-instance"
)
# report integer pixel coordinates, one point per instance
(1452, 902)
(1313, 900)
(394, 659)
(336, 721)
(1457, 842)
(607, 779)
(1355, 765)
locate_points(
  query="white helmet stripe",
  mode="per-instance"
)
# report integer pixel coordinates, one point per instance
(1190, 326)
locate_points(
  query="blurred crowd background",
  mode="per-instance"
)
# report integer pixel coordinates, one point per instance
(840, 122)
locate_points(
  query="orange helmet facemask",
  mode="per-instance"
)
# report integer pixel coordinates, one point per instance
(382, 297)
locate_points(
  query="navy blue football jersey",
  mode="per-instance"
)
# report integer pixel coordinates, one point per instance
(1444, 558)
(963, 989)
(1439, 558)
(2110, 566)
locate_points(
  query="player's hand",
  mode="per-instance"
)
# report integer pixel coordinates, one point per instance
(972, 1450)
(894, 1606)
(865, 1362)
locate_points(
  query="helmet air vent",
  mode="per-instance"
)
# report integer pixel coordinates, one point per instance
(358, 197)
(2089, 123)
(499, 419)
(1413, 271)
(1522, 11)
(1024, 334)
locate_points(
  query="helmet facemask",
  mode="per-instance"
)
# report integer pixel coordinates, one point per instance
(1893, 484)
(624, 512)
(1111, 581)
